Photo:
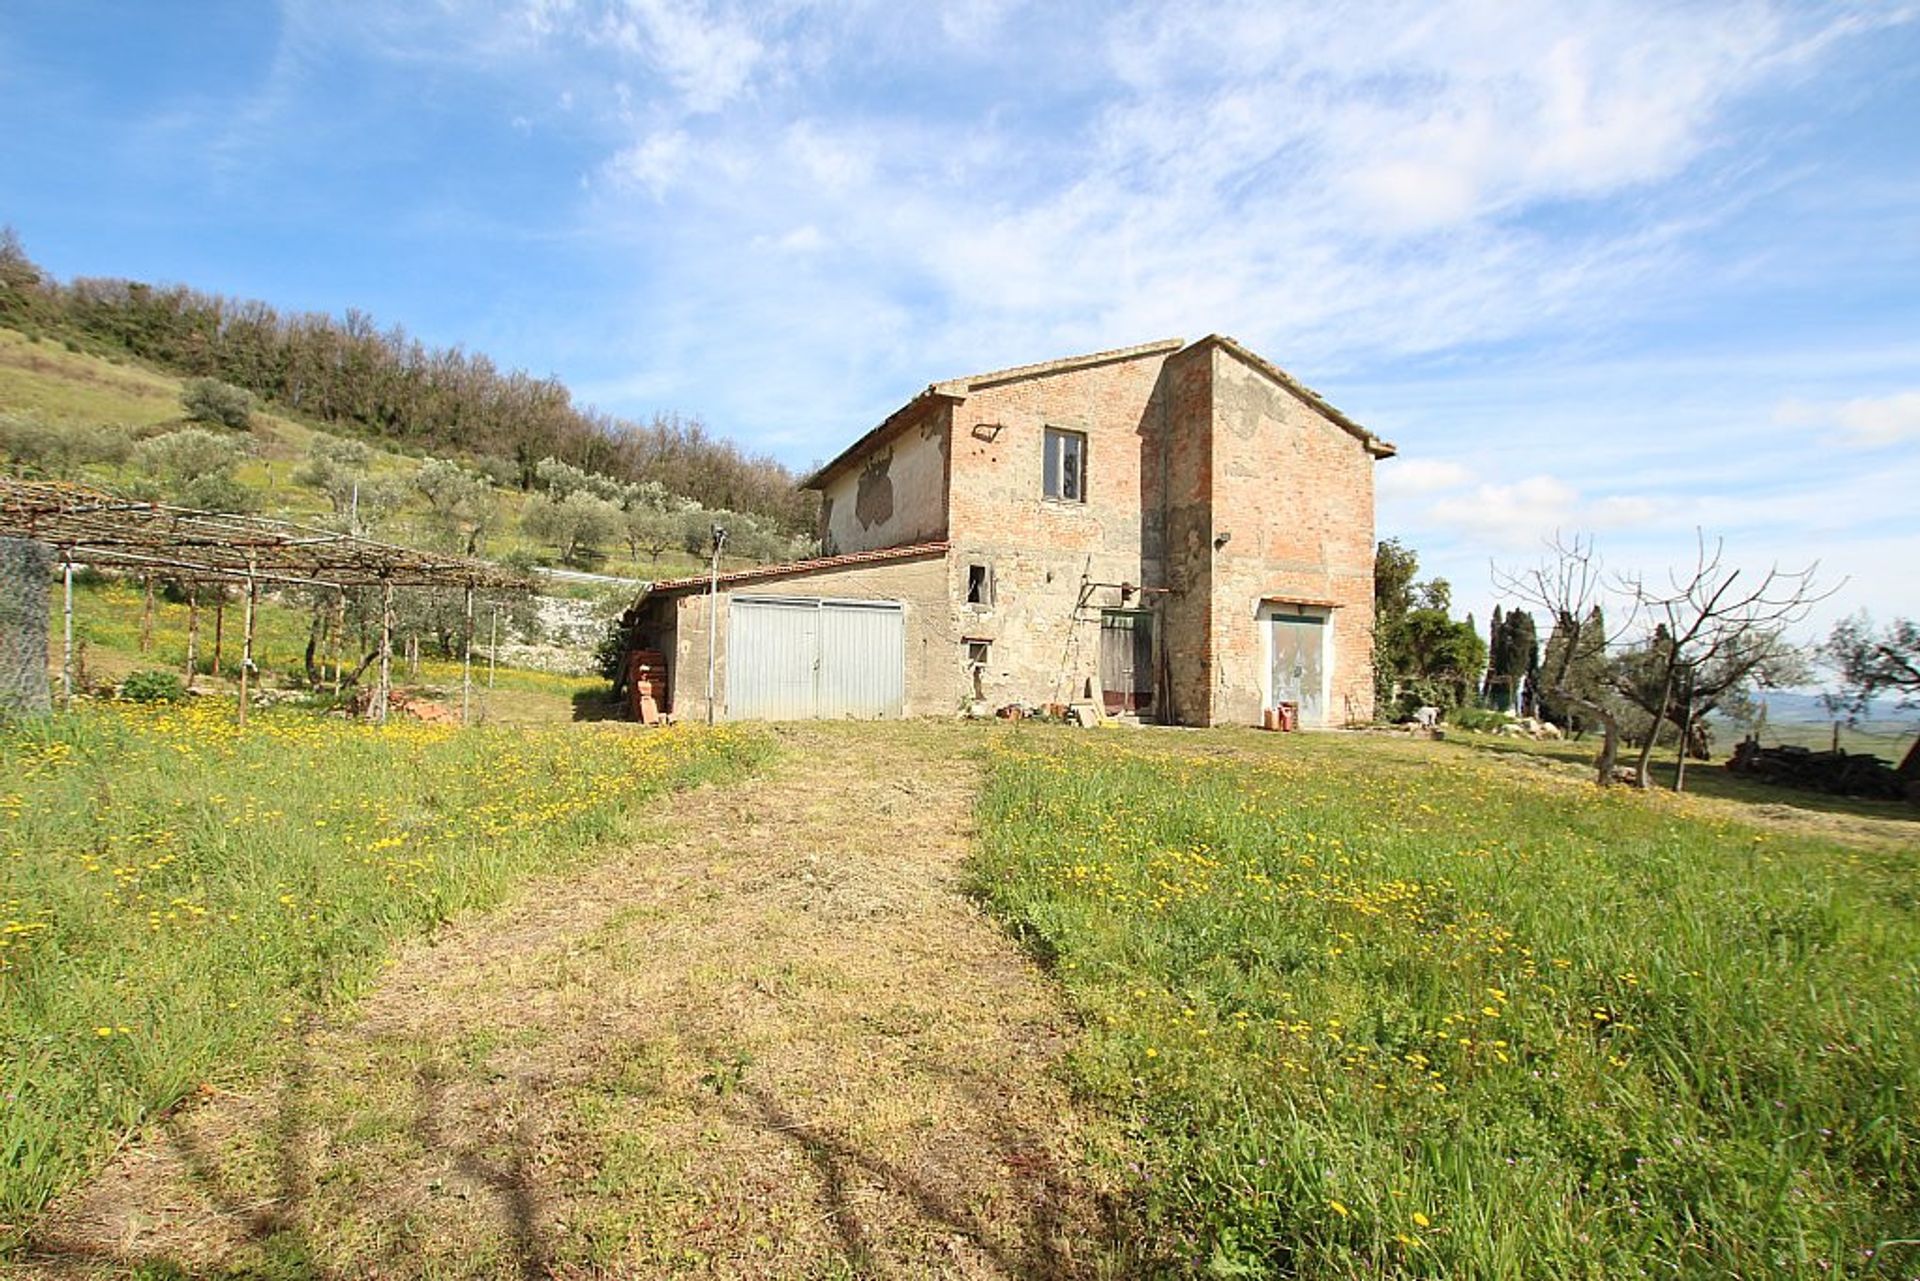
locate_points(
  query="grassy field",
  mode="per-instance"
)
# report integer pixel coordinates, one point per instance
(1372, 1008)
(174, 892)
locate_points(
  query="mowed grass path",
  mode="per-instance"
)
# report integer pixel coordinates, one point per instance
(175, 892)
(769, 1035)
(1372, 1008)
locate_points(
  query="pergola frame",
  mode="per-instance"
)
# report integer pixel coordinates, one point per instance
(92, 527)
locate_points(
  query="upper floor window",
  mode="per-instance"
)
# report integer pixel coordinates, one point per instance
(1065, 466)
(980, 586)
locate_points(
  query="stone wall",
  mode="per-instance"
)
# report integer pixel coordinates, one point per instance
(1042, 621)
(1190, 523)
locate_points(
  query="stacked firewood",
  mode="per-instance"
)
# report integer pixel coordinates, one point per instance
(1838, 773)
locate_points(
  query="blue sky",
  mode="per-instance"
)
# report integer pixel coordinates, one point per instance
(1624, 268)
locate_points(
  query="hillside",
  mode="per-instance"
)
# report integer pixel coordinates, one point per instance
(99, 408)
(352, 377)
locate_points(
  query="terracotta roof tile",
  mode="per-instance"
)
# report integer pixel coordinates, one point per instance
(756, 573)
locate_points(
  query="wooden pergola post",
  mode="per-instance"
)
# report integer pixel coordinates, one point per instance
(339, 630)
(146, 619)
(193, 631)
(377, 710)
(466, 664)
(246, 646)
(219, 625)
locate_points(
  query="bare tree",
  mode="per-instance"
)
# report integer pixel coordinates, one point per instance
(1571, 585)
(1718, 629)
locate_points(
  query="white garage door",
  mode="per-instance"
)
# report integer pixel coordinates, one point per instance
(798, 658)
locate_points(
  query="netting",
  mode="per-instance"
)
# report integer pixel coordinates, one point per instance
(25, 573)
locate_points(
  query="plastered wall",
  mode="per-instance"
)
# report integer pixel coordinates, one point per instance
(896, 494)
(934, 682)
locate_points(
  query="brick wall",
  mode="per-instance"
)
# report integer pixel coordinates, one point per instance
(1293, 492)
(1043, 628)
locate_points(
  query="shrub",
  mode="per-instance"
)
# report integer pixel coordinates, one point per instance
(208, 400)
(152, 687)
(1478, 719)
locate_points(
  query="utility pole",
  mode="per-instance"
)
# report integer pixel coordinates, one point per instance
(713, 601)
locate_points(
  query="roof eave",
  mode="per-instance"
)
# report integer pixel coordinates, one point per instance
(1312, 399)
(936, 391)
(790, 569)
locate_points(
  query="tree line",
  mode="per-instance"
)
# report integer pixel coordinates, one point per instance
(349, 373)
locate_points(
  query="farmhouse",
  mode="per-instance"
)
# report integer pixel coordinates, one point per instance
(1180, 532)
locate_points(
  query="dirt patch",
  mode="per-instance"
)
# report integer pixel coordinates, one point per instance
(775, 1041)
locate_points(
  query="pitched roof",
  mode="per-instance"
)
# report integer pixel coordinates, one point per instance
(955, 390)
(1375, 445)
(759, 573)
(1014, 373)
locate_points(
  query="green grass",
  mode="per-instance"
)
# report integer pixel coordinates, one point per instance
(1373, 1008)
(174, 892)
(42, 379)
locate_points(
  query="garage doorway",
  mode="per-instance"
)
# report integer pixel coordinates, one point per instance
(793, 658)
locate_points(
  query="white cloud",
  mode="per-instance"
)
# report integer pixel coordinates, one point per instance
(973, 22)
(808, 239)
(1413, 477)
(708, 56)
(1520, 514)
(655, 162)
(1511, 515)
(1866, 420)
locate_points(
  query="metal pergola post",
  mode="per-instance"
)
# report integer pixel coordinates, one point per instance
(66, 645)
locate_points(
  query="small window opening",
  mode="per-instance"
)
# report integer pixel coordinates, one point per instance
(980, 586)
(1064, 465)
